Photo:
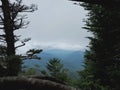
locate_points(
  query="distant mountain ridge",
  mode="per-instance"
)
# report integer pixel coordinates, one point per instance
(72, 60)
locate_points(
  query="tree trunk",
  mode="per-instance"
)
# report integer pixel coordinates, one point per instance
(8, 28)
(18, 83)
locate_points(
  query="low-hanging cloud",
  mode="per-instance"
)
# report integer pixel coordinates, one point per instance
(51, 45)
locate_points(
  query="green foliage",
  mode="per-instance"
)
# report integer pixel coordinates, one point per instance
(31, 54)
(56, 70)
(13, 65)
(10, 66)
(102, 65)
(2, 50)
(13, 18)
(35, 70)
(30, 71)
(54, 67)
(43, 73)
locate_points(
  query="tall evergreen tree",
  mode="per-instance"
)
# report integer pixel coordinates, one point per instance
(12, 18)
(56, 70)
(102, 60)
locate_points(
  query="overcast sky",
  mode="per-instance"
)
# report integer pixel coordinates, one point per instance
(56, 24)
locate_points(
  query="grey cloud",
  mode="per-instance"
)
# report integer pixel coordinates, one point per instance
(56, 21)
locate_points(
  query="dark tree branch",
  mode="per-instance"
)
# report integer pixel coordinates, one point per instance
(100, 2)
(2, 28)
(23, 42)
(17, 8)
(12, 18)
(2, 35)
(1, 18)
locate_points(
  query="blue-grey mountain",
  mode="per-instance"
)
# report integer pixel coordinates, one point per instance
(72, 60)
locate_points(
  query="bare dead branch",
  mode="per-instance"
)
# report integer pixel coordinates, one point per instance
(23, 42)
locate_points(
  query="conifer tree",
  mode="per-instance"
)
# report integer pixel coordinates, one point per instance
(56, 70)
(102, 60)
(12, 17)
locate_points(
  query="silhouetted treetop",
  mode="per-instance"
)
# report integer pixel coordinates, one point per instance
(100, 2)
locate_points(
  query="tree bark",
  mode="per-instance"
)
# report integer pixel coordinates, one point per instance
(17, 83)
(8, 28)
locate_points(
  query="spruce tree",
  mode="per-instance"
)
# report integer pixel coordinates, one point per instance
(12, 18)
(102, 60)
(56, 70)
